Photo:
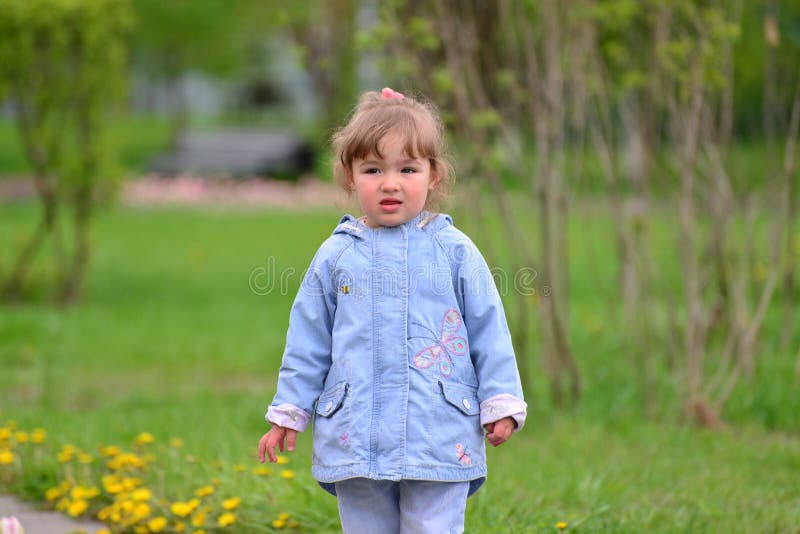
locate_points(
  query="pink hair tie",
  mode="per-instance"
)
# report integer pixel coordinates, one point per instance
(391, 93)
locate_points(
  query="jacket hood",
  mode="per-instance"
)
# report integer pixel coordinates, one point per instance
(426, 221)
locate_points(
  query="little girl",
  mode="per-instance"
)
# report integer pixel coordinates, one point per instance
(398, 345)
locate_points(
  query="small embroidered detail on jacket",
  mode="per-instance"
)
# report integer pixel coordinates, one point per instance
(344, 289)
(462, 453)
(446, 345)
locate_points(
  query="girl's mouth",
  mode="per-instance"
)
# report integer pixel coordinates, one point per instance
(390, 205)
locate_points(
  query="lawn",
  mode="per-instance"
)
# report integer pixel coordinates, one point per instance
(172, 339)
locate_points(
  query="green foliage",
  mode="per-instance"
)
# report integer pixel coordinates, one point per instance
(64, 63)
(215, 37)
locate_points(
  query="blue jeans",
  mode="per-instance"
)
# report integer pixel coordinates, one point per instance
(408, 506)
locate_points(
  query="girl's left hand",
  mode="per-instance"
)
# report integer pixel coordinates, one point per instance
(500, 431)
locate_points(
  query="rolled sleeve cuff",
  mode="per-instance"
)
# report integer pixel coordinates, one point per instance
(504, 405)
(288, 416)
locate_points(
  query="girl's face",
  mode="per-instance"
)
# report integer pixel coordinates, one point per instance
(391, 189)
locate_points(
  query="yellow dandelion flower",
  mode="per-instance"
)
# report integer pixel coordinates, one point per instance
(193, 504)
(144, 438)
(262, 470)
(65, 456)
(103, 531)
(110, 451)
(77, 508)
(278, 523)
(52, 494)
(141, 510)
(114, 488)
(283, 460)
(226, 519)
(92, 492)
(181, 509)
(232, 503)
(131, 483)
(561, 525)
(38, 435)
(199, 532)
(199, 519)
(105, 513)
(65, 486)
(5, 433)
(139, 529)
(179, 527)
(157, 524)
(21, 437)
(85, 458)
(6, 457)
(239, 468)
(62, 504)
(288, 474)
(78, 493)
(176, 442)
(142, 494)
(205, 491)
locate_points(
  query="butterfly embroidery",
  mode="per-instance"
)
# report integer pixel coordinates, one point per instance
(446, 345)
(462, 453)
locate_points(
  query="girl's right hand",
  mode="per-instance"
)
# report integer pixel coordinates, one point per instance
(276, 436)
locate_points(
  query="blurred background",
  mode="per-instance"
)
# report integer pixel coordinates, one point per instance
(628, 168)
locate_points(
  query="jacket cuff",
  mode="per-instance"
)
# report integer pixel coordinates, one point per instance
(504, 405)
(288, 416)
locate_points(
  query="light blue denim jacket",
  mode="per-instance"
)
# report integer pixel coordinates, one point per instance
(399, 347)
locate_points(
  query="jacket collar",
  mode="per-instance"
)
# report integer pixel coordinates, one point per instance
(426, 221)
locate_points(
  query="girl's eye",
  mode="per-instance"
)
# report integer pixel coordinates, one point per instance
(408, 170)
(372, 170)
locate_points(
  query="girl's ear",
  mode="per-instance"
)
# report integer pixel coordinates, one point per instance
(435, 175)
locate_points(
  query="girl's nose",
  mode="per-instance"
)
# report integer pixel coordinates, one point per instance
(390, 183)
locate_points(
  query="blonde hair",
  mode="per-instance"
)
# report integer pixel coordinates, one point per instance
(417, 122)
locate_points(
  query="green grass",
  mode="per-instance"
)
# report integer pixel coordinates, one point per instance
(171, 339)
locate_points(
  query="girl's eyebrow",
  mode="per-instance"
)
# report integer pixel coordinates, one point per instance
(377, 162)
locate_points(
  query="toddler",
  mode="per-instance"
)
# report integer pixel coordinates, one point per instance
(398, 346)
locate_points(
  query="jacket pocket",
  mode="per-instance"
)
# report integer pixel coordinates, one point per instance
(331, 400)
(464, 398)
(456, 433)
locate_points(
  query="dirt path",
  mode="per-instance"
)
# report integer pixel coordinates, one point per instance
(39, 522)
(151, 190)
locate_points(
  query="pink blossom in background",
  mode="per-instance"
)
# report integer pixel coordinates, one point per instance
(10, 525)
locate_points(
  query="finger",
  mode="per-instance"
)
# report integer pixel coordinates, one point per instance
(291, 439)
(271, 452)
(489, 427)
(262, 450)
(506, 432)
(280, 442)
